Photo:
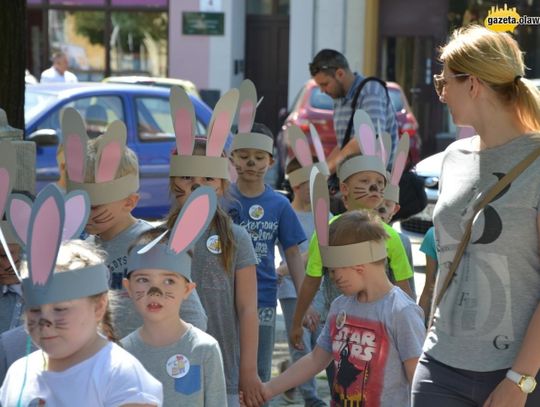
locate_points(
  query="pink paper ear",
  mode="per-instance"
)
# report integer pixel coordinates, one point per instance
(76, 215)
(303, 152)
(218, 134)
(382, 150)
(19, 217)
(75, 157)
(45, 240)
(246, 116)
(109, 161)
(367, 139)
(184, 131)
(233, 175)
(399, 166)
(192, 221)
(321, 220)
(4, 189)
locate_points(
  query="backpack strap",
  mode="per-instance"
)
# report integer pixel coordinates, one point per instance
(355, 101)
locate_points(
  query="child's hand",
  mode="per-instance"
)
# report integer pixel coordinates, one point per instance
(296, 336)
(312, 319)
(250, 390)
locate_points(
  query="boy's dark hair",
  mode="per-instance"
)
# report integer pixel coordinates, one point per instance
(263, 129)
(356, 227)
(328, 61)
(294, 165)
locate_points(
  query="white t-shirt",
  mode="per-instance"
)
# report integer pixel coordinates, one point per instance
(112, 377)
(51, 75)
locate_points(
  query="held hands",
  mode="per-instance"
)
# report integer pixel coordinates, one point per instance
(264, 395)
(312, 319)
(506, 394)
(250, 390)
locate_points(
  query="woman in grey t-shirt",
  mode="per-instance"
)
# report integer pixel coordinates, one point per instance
(483, 345)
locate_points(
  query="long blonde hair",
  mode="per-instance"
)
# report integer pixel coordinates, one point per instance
(495, 59)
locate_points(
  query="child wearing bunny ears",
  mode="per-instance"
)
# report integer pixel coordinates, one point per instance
(65, 293)
(266, 215)
(223, 264)
(362, 181)
(109, 171)
(186, 360)
(374, 332)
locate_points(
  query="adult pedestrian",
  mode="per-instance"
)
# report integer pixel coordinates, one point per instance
(482, 349)
(58, 72)
(330, 70)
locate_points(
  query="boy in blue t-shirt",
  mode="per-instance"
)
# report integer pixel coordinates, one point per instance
(268, 217)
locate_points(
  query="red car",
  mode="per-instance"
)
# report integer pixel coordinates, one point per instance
(311, 105)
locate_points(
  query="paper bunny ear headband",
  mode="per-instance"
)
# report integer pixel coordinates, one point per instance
(110, 151)
(247, 107)
(302, 152)
(183, 114)
(41, 227)
(391, 191)
(8, 168)
(337, 256)
(191, 223)
(373, 151)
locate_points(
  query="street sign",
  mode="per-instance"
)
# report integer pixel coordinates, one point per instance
(197, 23)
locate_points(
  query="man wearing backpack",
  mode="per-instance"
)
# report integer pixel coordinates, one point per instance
(351, 91)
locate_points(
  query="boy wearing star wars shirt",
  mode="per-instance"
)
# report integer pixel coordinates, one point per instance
(268, 217)
(373, 333)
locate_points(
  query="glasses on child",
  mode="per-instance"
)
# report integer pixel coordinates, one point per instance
(439, 81)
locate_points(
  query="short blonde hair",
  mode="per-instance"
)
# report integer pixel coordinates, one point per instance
(129, 163)
(496, 59)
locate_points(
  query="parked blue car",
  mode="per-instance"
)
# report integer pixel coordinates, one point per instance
(145, 111)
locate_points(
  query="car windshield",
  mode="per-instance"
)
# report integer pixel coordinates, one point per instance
(395, 97)
(320, 100)
(35, 101)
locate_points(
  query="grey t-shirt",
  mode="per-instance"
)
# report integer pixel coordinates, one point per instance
(125, 316)
(191, 370)
(484, 315)
(369, 342)
(286, 287)
(216, 287)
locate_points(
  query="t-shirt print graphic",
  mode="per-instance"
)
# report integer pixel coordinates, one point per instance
(360, 349)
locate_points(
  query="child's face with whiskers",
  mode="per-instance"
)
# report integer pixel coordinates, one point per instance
(158, 294)
(363, 190)
(182, 187)
(251, 164)
(65, 329)
(103, 218)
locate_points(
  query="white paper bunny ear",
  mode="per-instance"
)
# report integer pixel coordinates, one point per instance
(302, 151)
(110, 150)
(75, 144)
(370, 147)
(247, 106)
(386, 147)
(320, 204)
(212, 164)
(193, 220)
(391, 192)
(316, 141)
(183, 116)
(8, 167)
(220, 123)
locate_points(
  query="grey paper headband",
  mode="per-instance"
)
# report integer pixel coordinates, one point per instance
(67, 285)
(107, 192)
(257, 141)
(361, 163)
(199, 166)
(160, 257)
(301, 175)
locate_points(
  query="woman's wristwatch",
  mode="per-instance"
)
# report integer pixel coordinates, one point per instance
(524, 382)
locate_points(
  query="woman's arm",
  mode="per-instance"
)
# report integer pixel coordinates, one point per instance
(246, 310)
(427, 292)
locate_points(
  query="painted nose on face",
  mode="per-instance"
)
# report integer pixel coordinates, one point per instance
(194, 187)
(250, 163)
(44, 323)
(373, 188)
(154, 291)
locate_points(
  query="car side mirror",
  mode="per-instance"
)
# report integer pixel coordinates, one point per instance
(44, 137)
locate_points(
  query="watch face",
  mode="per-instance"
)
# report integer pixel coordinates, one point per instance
(528, 384)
